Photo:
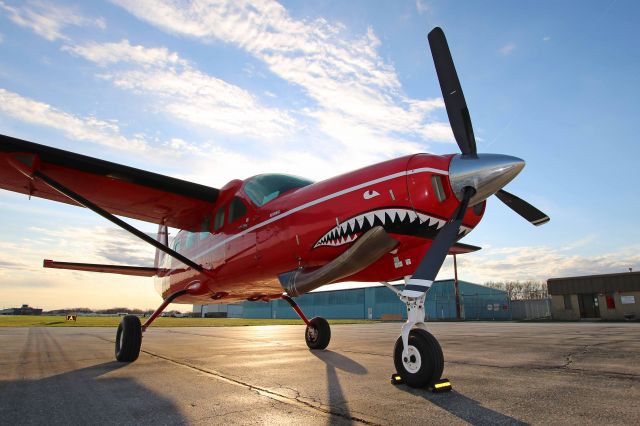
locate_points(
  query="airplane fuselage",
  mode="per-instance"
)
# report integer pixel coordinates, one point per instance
(309, 226)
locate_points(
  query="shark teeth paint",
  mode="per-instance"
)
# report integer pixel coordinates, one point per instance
(393, 220)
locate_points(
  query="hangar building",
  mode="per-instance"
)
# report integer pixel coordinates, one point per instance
(476, 302)
(609, 297)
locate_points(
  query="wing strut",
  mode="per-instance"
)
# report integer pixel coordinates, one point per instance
(121, 223)
(28, 165)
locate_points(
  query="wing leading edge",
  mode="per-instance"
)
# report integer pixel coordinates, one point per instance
(119, 189)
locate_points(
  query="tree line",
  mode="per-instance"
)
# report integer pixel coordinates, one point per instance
(521, 290)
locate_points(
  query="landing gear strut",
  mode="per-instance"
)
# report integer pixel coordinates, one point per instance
(417, 355)
(318, 332)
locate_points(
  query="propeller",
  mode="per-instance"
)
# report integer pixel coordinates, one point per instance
(473, 177)
(430, 264)
(523, 208)
(454, 101)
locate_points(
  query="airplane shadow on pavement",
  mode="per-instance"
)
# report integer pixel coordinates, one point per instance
(464, 407)
(84, 396)
(337, 401)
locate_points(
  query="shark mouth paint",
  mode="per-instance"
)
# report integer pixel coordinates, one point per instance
(393, 220)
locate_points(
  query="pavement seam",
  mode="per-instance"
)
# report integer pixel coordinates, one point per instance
(297, 401)
(572, 370)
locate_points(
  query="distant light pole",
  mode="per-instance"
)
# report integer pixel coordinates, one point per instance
(455, 286)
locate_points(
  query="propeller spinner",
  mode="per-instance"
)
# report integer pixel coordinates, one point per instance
(473, 177)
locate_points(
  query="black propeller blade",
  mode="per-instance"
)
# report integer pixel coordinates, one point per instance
(457, 110)
(460, 120)
(523, 208)
(432, 261)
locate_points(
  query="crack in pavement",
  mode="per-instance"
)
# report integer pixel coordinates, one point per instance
(570, 370)
(298, 401)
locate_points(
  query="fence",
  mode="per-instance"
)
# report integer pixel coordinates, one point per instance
(531, 309)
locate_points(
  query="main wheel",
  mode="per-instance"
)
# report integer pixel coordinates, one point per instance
(128, 339)
(318, 333)
(425, 362)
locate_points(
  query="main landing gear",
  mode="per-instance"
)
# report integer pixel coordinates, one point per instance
(318, 332)
(128, 339)
(129, 334)
(417, 355)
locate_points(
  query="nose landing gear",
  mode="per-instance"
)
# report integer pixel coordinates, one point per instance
(417, 355)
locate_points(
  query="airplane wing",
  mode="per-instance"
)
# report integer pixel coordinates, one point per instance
(139, 271)
(118, 189)
(461, 248)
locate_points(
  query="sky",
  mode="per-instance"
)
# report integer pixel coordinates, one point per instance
(210, 91)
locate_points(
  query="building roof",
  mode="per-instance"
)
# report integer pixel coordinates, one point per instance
(607, 283)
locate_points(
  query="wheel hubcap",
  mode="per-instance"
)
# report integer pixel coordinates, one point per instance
(413, 362)
(312, 334)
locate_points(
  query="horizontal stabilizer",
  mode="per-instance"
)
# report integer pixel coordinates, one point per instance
(461, 248)
(139, 271)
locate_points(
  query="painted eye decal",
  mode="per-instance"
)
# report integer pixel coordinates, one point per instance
(370, 194)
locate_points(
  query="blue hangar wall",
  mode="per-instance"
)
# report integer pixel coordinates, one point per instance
(477, 302)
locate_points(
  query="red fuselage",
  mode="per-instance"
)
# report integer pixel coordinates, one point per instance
(310, 226)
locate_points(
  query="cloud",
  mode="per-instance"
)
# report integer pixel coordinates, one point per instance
(110, 53)
(507, 49)
(184, 92)
(546, 38)
(48, 20)
(539, 263)
(99, 244)
(357, 98)
(12, 265)
(21, 271)
(78, 128)
(423, 7)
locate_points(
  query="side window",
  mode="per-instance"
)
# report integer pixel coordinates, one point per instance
(204, 227)
(237, 209)
(191, 239)
(219, 220)
(176, 244)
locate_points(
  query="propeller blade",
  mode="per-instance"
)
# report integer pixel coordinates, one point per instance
(523, 208)
(457, 110)
(432, 261)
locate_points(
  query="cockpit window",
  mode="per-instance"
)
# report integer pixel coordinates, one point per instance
(263, 188)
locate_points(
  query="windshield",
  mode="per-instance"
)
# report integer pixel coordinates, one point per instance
(263, 188)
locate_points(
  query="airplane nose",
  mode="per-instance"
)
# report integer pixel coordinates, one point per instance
(486, 173)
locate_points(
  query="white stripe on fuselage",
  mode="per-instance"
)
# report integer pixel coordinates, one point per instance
(321, 200)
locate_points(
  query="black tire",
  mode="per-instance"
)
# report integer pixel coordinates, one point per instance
(424, 368)
(128, 339)
(318, 333)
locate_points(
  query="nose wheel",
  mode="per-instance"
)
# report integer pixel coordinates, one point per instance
(423, 362)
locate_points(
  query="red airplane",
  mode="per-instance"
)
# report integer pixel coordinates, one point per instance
(276, 236)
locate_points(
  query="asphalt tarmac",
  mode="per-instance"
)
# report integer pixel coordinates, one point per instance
(502, 373)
